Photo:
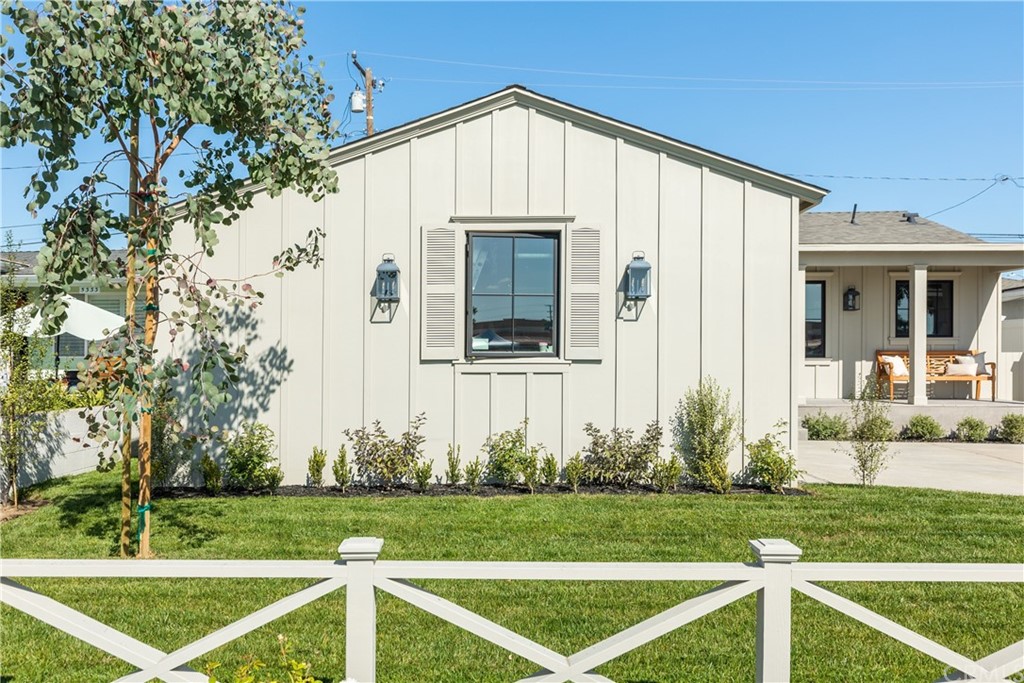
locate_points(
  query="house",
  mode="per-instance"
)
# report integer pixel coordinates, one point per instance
(20, 266)
(513, 219)
(918, 283)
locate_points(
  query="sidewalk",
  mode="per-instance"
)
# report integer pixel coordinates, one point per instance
(984, 467)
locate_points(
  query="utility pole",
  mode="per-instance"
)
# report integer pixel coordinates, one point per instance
(370, 84)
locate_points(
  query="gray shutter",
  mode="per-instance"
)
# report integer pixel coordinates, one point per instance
(583, 294)
(439, 319)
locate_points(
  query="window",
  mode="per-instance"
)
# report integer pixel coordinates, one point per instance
(940, 308)
(814, 319)
(512, 294)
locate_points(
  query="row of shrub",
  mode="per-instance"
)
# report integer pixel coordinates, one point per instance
(826, 427)
(705, 430)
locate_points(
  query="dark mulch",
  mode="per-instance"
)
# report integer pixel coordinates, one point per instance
(440, 490)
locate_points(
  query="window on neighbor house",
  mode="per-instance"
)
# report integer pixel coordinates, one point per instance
(939, 314)
(512, 294)
(814, 319)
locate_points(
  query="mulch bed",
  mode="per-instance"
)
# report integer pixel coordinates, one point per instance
(8, 512)
(443, 490)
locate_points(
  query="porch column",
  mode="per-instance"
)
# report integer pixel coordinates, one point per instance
(918, 334)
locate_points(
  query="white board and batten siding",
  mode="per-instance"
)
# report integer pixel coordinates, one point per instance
(720, 245)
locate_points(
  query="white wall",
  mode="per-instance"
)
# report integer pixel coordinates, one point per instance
(60, 449)
(323, 360)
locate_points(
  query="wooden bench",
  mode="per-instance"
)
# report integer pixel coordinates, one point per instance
(935, 366)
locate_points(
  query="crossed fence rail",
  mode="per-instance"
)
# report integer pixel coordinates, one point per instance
(773, 577)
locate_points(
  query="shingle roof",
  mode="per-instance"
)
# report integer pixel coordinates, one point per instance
(1012, 283)
(875, 227)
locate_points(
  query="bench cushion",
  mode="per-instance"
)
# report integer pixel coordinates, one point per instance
(962, 369)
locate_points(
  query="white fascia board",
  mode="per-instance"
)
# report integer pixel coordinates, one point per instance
(1006, 257)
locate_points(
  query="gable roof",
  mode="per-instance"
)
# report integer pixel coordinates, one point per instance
(809, 194)
(876, 227)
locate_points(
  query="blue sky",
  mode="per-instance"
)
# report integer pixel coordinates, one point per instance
(847, 89)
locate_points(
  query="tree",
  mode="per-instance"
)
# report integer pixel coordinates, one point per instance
(224, 81)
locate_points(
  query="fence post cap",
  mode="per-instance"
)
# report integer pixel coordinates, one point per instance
(360, 548)
(775, 550)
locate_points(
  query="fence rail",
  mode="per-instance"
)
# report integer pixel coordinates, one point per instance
(774, 576)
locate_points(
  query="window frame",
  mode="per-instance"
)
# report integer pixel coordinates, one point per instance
(824, 318)
(555, 236)
(937, 279)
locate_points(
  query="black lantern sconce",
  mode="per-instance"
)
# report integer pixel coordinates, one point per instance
(386, 288)
(851, 299)
(638, 278)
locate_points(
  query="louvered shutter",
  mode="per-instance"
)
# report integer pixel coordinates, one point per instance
(583, 294)
(439, 319)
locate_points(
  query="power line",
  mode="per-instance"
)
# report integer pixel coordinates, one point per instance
(974, 196)
(694, 88)
(599, 74)
(999, 178)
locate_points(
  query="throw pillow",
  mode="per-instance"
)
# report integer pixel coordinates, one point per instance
(899, 368)
(977, 359)
(962, 369)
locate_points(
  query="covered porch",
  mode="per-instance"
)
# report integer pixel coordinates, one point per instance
(895, 283)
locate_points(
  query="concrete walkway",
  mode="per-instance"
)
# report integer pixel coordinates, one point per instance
(985, 467)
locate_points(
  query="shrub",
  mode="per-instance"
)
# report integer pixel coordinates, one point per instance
(341, 469)
(665, 473)
(617, 458)
(705, 429)
(293, 670)
(421, 473)
(529, 468)
(923, 428)
(170, 450)
(213, 476)
(316, 464)
(474, 474)
(770, 463)
(972, 429)
(382, 460)
(1011, 428)
(872, 431)
(453, 475)
(273, 478)
(549, 470)
(508, 456)
(825, 427)
(574, 469)
(250, 458)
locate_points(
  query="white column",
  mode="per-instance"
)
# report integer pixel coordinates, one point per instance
(918, 334)
(774, 608)
(799, 334)
(359, 555)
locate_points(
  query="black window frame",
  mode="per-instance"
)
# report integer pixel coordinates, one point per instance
(928, 299)
(556, 341)
(824, 318)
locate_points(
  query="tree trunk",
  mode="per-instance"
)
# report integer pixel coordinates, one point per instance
(129, 308)
(146, 423)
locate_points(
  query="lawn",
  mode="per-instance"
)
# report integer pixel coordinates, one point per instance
(834, 524)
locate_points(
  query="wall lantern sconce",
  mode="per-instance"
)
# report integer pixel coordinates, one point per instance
(386, 288)
(638, 278)
(851, 299)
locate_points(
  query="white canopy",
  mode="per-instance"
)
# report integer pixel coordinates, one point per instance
(84, 320)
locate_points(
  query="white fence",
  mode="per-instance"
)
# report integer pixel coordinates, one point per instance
(60, 449)
(774, 577)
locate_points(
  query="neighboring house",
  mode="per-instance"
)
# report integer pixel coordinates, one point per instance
(512, 219)
(879, 254)
(72, 350)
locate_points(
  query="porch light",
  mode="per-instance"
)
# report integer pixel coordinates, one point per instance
(386, 289)
(638, 278)
(851, 299)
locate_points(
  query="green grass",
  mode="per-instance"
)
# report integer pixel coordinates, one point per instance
(835, 524)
